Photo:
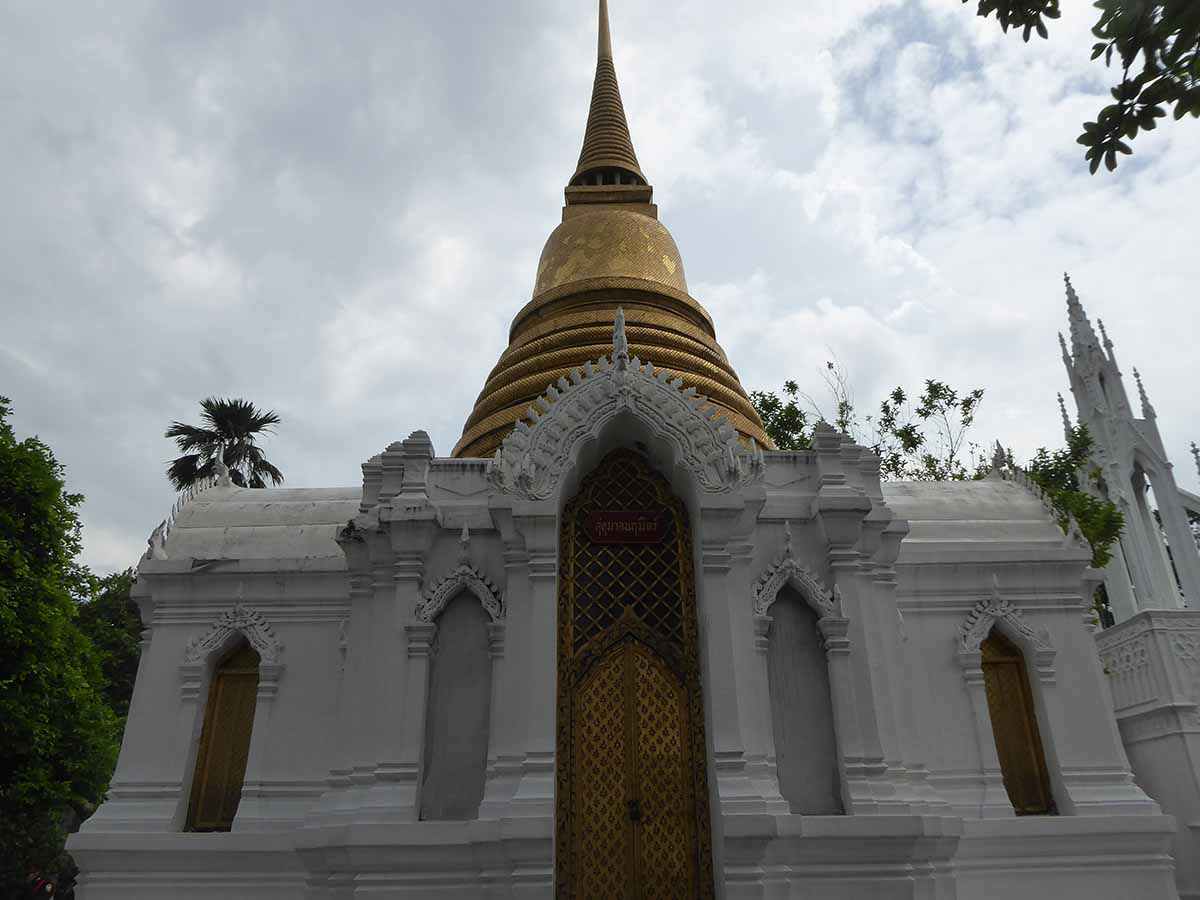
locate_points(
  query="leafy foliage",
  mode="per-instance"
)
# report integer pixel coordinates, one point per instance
(1057, 473)
(783, 418)
(230, 428)
(112, 622)
(1157, 47)
(1023, 15)
(923, 442)
(60, 737)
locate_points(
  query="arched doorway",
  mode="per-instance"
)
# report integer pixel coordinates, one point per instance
(1014, 726)
(224, 741)
(631, 781)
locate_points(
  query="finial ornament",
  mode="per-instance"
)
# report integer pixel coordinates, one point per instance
(620, 342)
(787, 537)
(464, 545)
(220, 469)
(1082, 335)
(1147, 408)
(604, 46)
(1196, 456)
(1066, 419)
(607, 148)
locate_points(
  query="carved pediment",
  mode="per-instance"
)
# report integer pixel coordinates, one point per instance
(991, 609)
(787, 570)
(251, 624)
(534, 457)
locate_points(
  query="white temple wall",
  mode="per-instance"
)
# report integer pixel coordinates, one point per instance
(351, 709)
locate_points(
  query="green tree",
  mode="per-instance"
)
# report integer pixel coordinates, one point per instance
(60, 737)
(1058, 473)
(925, 442)
(111, 620)
(1156, 44)
(231, 427)
(783, 418)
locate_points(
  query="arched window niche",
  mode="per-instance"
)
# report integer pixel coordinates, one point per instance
(224, 747)
(802, 709)
(802, 634)
(236, 667)
(1005, 664)
(463, 626)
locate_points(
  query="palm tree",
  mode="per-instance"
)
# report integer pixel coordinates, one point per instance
(230, 428)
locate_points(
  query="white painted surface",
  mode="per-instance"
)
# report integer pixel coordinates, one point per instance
(332, 798)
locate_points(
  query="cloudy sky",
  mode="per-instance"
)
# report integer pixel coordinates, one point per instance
(335, 209)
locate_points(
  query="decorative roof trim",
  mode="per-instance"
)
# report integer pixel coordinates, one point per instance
(156, 543)
(532, 460)
(1072, 533)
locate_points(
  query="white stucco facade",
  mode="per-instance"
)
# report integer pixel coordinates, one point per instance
(340, 592)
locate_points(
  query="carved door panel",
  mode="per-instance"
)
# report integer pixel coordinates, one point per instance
(224, 743)
(1014, 725)
(634, 818)
(631, 780)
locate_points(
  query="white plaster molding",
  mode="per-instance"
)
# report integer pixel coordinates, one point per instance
(250, 623)
(156, 543)
(254, 627)
(532, 460)
(464, 577)
(986, 613)
(787, 570)
(1072, 533)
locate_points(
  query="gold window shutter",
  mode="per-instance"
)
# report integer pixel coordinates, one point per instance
(224, 742)
(1014, 725)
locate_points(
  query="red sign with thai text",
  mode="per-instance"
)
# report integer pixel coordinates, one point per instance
(625, 526)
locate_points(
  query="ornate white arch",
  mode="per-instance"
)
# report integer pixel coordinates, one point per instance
(250, 623)
(465, 577)
(534, 457)
(788, 570)
(995, 608)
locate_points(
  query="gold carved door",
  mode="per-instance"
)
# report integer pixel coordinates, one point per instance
(632, 798)
(224, 742)
(1014, 725)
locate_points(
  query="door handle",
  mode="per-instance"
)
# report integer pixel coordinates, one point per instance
(635, 811)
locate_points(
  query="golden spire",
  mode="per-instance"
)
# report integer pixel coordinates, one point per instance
(607, 156)
(609, 253)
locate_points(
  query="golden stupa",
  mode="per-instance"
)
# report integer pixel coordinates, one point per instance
(609, 251)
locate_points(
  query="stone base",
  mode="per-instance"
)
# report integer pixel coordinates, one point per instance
(763, 857)
(1153, 666)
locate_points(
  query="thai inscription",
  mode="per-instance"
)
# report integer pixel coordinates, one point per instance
(621, 526)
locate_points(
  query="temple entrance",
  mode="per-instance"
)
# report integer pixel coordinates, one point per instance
(631, 792)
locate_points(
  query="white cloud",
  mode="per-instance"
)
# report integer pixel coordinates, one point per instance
(337, 215)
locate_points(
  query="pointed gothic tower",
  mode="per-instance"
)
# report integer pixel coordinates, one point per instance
(609, 251)
(1130, 456)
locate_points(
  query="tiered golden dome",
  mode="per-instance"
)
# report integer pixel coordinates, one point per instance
(609, 251)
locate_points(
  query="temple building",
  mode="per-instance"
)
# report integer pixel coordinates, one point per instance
(616, 645)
